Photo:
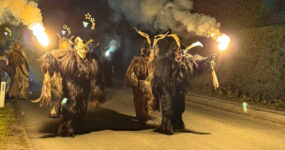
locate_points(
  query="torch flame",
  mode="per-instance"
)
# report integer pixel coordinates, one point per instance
(39, 32)
(223, 41)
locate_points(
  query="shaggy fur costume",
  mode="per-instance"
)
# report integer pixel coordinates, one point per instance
(172, 74)
(139, 74)
(66, 75)
(18, 72)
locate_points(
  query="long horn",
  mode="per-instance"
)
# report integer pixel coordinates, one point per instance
(176, 38)
(194, 45)
(71, 38)
(77, 39)
(58, 35)
(88, 42)
(159, 37)
(144, 35)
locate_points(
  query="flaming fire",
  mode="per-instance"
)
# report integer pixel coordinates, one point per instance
(40, 34)
(223, 41)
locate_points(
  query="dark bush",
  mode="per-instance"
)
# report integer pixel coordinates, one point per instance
(257, 69)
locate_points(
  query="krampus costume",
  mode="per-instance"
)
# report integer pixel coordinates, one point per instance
(70, 76)
(63, 42)
(139, 75)
(18, 72)
(171, 78)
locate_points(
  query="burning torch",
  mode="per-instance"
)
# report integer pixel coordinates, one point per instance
(223, 43)
(39, 32)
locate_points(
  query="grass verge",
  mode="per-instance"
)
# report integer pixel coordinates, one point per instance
(7, 117)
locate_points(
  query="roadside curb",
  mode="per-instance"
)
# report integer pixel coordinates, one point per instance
(235, 107)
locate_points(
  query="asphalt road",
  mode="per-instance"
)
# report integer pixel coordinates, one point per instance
(112, 127)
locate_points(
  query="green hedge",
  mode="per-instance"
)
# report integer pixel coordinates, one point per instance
(257, 68)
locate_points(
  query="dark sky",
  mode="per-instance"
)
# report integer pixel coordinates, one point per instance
(71, 12)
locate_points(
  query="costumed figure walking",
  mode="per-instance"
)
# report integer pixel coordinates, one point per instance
(14, 63)
(139, 75)
(71, 76)
(172, 75)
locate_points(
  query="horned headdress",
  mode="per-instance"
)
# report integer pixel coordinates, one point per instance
(152, 45)
(176, 38)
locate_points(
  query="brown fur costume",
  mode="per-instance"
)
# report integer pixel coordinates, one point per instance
(68, 75)
(172, 76)
(18, 71)
(139, 75)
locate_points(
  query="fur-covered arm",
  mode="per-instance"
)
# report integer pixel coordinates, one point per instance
(97, 89)
(201, 65)
(139, 64)
(131, 78)
(52, 89)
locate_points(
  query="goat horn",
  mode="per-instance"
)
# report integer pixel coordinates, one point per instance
(194, 45)
(176, 38)
(159, 37)
(144, 35)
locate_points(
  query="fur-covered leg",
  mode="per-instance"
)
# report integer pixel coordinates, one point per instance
(178, 109)
(166, 126)
(143, 111)
(138, 101)
(65, 128)
(69, 113)
(54, 109)
(79, 122)
(150, 105)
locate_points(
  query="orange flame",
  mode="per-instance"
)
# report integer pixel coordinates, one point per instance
(40, 34)
(224, 41)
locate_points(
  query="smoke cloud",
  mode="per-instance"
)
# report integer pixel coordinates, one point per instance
(164, 15)
(19, 11)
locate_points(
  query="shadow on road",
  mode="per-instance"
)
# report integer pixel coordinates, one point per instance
(184, 131)
(98, 120)
(192, 131)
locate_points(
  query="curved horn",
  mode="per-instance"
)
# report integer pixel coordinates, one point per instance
(58, 35)
(71, 38)
(159, 37)
(144, 35)
(194, 45)
(176, 38)
(77, 39)
(88, 42)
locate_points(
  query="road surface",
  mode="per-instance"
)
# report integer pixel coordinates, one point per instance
(112, 126)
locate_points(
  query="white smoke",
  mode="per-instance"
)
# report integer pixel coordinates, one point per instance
(164, 15)
(19, 11)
